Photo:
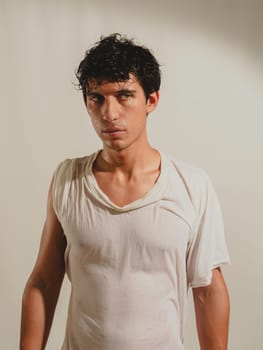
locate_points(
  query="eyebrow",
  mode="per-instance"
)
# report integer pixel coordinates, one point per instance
(128, 91)
(93, 94)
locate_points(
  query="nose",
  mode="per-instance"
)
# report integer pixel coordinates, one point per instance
(109, 109)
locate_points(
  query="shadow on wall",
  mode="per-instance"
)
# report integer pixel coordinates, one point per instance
(237, 23)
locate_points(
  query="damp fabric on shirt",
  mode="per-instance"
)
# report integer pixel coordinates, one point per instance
(130, 267)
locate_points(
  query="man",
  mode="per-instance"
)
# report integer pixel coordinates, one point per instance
(132, 227)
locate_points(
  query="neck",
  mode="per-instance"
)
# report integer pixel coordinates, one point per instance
(128, 161)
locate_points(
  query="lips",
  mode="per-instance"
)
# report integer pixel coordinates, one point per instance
(113, 132)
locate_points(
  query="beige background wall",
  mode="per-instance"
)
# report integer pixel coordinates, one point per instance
(210, 114)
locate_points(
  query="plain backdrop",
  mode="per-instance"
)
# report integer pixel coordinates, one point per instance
(210, 114)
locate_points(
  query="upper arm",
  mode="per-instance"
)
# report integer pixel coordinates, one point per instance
(207, 246)
(212, 312)
(216, 287)
(49, 268)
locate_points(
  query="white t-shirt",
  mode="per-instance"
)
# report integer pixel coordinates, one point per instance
(130, 267)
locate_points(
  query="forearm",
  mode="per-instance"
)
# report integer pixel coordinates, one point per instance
(212, 315)
(33, 319)
(38, 308)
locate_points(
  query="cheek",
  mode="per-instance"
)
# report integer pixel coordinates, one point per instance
(93, 116)
(95, 122)
(136, 109)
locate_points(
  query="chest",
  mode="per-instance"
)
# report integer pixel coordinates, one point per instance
(153, 229)
(122, 193)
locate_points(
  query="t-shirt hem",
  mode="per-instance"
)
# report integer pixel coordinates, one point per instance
(207, 281)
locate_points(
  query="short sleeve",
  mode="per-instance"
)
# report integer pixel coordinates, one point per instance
(207, 248)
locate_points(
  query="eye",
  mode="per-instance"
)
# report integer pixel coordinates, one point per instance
(96, 98)
(124, 95)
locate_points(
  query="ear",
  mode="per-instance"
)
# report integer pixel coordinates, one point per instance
(152, 101)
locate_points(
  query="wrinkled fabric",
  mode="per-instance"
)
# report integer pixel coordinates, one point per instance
(130, 267)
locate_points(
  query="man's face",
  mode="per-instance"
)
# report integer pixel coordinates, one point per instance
(118, 112)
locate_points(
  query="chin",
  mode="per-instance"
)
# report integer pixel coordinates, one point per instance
(118, 146)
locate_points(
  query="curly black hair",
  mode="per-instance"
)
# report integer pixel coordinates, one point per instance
(113, 58)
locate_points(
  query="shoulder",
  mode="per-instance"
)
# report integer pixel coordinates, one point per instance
(72, 167)
(194, 179)
(67, 178)
(190, 174)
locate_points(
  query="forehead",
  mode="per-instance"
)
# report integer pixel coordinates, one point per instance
(105, 85)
